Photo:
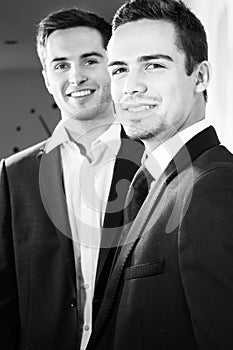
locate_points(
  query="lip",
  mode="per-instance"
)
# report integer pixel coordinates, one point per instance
(138, 107)
(130, 103)
(80, 93)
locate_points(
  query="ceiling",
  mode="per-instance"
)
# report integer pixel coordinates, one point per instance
(18, 20)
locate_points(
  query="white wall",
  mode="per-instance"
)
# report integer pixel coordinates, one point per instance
(217, 18)
(22, 91)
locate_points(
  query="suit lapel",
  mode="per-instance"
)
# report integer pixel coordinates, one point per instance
(127, 163)
(54, 201)
(184, 159)
(193, 149)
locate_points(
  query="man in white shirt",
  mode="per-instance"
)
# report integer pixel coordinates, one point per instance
(61, 202)
(171, 286)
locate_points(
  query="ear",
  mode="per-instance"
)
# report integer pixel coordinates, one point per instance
(202, 76)
(46, 80)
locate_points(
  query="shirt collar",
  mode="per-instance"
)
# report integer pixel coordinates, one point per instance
(58, 137)
(157, 161)
(110, 137)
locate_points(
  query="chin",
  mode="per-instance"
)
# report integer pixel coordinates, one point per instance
(144, 134)
(137, 133)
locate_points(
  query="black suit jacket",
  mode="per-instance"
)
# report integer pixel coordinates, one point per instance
(172, 285)
(38, 295)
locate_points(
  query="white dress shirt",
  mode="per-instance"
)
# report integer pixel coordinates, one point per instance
(157, 161)
(87, 182)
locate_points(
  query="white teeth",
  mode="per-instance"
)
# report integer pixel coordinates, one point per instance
(140, 108)
(81, 93)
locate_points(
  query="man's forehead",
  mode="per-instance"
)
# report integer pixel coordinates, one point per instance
(135, 40)
(77, 42)
(76, 38)
(160, 29)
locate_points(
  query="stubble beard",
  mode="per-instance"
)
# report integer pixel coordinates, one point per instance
(99, 109)
(136, 131)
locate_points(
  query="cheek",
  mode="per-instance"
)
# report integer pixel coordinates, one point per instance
(116, 90)
(99, 74)
(172, 96)
(54, 83)
(105, 81)
(179, 97)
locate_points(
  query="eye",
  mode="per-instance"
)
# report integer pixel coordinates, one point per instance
(90, 62)
(118, 71)
(153, 66)
(61, 66)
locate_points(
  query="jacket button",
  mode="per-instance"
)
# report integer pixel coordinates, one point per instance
(73, 303)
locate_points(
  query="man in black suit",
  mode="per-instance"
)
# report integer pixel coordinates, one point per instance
(172, 283)
(61, 201)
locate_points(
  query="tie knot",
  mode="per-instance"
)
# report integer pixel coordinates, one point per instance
(137, 193)
(142, 180)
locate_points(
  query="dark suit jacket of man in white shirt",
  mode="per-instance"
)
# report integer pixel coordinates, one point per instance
(38, 291)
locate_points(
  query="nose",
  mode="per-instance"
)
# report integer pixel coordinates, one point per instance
(134, 84)
(77, 76)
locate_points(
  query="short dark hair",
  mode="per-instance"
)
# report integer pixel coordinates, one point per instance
(70, 18)
(191, 35)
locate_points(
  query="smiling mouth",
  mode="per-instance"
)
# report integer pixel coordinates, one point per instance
(82, 93)
(135, 109)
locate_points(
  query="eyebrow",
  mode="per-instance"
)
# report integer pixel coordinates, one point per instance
(93, 53)
(145, 58)
(85, 55)
(155, 57)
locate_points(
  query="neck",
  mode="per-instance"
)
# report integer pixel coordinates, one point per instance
(86, 133)
(196, 115)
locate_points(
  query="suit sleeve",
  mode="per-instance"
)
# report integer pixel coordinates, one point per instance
(206, 259)
(9, 314)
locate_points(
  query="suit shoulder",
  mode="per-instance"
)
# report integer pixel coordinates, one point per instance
(214, 169)
(218, 156)
(25, 155)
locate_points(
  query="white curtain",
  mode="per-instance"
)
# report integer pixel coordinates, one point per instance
(217, 18)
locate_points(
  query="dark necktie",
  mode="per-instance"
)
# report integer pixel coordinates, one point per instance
(137, 194)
